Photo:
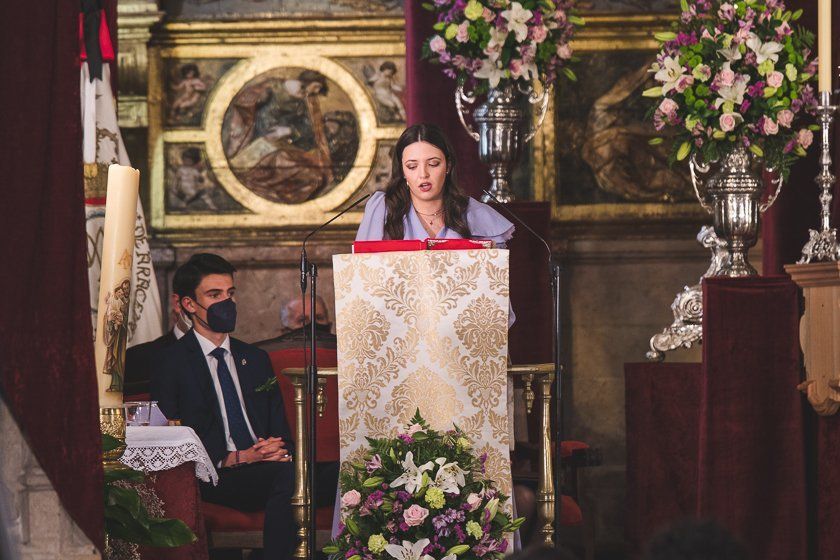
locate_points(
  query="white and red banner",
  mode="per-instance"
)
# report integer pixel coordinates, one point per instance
(102, 146)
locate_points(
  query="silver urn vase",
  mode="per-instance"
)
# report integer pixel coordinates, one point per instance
(503, 129)
(733, 196)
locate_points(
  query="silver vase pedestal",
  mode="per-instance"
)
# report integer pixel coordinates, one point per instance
(687, 328)
(733, 196)
(503, 130)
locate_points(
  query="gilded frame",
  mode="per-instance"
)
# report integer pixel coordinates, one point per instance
(604, 33)
(260, 46)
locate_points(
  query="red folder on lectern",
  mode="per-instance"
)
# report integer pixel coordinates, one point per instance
(420, 245)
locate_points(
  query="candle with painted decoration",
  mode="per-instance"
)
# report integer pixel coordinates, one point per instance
(824, 44)
(115, 282)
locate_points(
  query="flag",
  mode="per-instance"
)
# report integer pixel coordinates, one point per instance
(103, 145)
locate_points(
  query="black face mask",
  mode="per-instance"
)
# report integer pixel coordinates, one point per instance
(221, 316)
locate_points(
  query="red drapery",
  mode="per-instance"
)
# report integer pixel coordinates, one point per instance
(46, 355)
(725, 439)
(663, 428)
(430, 97)
(752, 474)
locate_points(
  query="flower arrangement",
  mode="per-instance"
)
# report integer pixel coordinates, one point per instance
(420, 496)
(736, 71)
(486, 42)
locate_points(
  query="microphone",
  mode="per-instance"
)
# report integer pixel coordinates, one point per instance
(303, 259)
(521, 222)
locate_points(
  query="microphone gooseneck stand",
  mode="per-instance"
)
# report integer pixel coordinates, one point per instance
(309, 269)
(556, 273)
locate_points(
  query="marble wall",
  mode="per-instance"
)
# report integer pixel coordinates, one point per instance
(34, 522)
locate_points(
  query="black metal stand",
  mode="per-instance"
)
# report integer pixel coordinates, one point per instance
(556, 273)
(311, 394)
(309, 270)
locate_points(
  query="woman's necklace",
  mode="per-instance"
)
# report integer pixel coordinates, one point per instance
(430, 218)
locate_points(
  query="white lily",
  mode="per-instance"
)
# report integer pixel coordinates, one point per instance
(517, 18)
(669, 73)
(734, 93)
(494, 46)
(764, 51)
(412, 476)
(490, 71)
(731, 53)
(450, 477)
(409, 551)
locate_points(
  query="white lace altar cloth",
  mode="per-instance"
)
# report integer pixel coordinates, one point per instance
(427, 330)
(158, 448)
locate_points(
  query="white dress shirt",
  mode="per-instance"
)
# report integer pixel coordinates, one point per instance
(212, 363)
(179, 333)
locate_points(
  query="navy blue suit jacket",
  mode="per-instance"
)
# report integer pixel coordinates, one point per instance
(183, 387)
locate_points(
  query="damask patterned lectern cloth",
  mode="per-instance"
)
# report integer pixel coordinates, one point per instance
(427, 330)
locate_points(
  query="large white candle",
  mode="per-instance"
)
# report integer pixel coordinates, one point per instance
(115, 282)
(824, 42)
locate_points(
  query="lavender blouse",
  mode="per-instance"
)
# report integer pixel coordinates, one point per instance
(483, 221)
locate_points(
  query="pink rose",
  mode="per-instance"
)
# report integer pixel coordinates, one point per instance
(487, 15)
(351, 499)
(415, 515)
(437, 44)
(668, 107)
(805, 137)
(728, 122)
(515, 67)
(684, 83)
(785, 118)
(726, 11)
(463, 34)
(473, 500)
(775, 79)
(770, 127)
(726, 78)
(538, 34)
(564, 51)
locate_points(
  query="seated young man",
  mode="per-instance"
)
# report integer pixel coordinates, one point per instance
(207, 379)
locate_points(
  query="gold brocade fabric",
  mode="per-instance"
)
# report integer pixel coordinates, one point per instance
(427, 330)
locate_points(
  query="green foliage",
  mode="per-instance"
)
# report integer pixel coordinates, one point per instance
(421, 470)
(126, 518)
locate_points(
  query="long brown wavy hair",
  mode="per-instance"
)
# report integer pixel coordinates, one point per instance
(398, 197)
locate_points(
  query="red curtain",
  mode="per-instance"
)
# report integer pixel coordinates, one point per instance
(46, 355)
(751, 466)
(430, 97)
(786, 224)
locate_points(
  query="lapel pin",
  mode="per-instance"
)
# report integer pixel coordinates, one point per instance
(244, 361)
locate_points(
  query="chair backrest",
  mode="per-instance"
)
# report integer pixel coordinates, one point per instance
(327, 448)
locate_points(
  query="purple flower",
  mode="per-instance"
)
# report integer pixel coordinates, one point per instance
(374, 500)
(757, 89)
(374, 463)
(405, 437)
(403, 496)
(459, 531)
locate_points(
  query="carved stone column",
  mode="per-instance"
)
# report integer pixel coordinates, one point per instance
(818, 333)
(134, 21)
(34, 520)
